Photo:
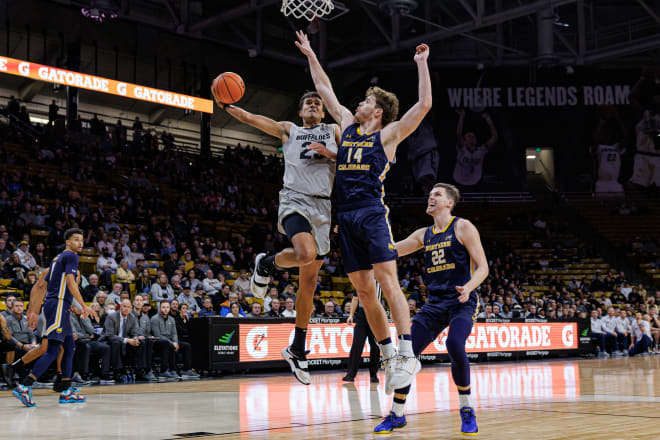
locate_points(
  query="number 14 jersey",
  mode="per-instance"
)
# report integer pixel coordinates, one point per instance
(306, 171)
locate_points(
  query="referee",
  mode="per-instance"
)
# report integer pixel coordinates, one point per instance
(360, 334)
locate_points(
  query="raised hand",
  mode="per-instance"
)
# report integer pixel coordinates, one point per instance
(303, 44)
(421, 53)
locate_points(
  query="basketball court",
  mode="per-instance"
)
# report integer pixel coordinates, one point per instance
(571, 399)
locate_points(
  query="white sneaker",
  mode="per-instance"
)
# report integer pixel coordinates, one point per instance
(259, 283)
(405, 369)
(299, 365)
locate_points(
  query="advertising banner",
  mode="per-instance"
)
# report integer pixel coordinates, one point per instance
(104, 85)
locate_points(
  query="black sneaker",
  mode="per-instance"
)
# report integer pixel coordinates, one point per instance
(298, 363)
(348, 378)
(374, 379)
(8, 375)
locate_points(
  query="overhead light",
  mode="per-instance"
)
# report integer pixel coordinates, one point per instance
(38, 120)
(531, 156)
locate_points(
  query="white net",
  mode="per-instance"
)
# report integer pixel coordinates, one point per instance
(308, 9)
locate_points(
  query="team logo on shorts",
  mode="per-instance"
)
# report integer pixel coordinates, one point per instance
(59, 330)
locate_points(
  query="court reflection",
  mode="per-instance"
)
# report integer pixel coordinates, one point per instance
(328, 399)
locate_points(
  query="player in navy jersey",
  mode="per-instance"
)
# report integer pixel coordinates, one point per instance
(369, 142)
(61, 290)
(455, 264)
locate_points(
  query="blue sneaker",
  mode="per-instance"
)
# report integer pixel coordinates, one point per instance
(70, 396)
(389, 423)
(469, 426)
(24, 394)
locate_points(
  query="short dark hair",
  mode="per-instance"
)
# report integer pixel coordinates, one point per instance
(450, 191)
(17, 300)
(312, 94)
(163, 301)
(69, 232)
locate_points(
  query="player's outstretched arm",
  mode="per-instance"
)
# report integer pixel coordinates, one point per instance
(263, 123)
(37, 295)
(414, 242)
(341, 114)
(493, 131)
(459, 126)
(397, 131)
(468, 234)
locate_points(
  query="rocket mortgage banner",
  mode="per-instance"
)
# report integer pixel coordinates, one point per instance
(104, 85)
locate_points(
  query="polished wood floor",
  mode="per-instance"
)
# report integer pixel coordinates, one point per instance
(578, 399)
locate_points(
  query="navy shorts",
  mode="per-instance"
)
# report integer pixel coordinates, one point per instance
(58, 322)
(365, 237)
(435, 316)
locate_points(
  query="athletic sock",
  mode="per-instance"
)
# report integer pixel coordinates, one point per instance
(387, 348)
(267, 266)
(28, 381)
(66, 384)
(399, 401)
(19, 367)
(299, 337)
(465, 399)
(405, 346)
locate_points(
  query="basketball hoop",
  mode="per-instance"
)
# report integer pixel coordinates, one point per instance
(308, 9)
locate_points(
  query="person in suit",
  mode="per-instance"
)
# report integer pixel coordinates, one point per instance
(122, 331)
(145, 349)
(88, 343)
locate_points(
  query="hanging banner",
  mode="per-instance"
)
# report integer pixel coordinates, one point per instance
(104, 85)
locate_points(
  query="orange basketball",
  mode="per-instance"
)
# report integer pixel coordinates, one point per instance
(228, 87)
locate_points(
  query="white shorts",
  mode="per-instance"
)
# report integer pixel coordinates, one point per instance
(317, 211)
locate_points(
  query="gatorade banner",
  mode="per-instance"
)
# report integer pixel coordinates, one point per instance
(265, 341)
(104, 85)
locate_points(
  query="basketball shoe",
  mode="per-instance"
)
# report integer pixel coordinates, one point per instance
(24, 394)
(469, 421)
(71, 396)
(299, 365)
(260, 278)
(400, 372)
(389, 423)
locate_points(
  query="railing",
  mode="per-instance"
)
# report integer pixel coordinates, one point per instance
(477, 197)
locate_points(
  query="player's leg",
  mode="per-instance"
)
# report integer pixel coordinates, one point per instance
(299, 231)
(23, 391)
(459, 330)
(295, 354)
(421, 338)
(18, 366)
(407, 364)
(69, 395)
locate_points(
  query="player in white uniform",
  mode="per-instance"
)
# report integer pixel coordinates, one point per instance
(304, 213)
(469, 156)
(608, 165)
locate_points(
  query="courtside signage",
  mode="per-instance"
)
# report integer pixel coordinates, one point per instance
(104, 85)
(264, 342)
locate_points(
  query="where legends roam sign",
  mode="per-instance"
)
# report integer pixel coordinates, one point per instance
(104, 85)
(538, 96)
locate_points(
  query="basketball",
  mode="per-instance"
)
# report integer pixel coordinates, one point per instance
(228, 87)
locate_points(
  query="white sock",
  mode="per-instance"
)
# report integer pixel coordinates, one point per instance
(405, 348)
(397, 408)
(465, 400)
(388, 350)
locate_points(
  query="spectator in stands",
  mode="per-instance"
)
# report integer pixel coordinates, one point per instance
(207, 308)
(53, 108)
(145, 349)
(487, 313)
(242, 283)
(143, 282)
(186, 298)
(318, 304)
(122, 331)
(289, 309)
(90, 291)
(22, 338)
(329, 310)
(182, 320)
(255, 310)
(171, 264)
(641, 330)
(26, 258)
(412, 307)
(191, 280)
(137, 124)
(533, 314)
(88, 344)
(608, 326)
(106, 266)
(5, 255)
(114, 297)
(275, 309)
(224, 307)
(597, 334)
(163, 328)
(16, 269)
(211, 284)
(617, 297)
(234, 311)
(124, 273)
(623, 330)
(162, 290)
(272, 294)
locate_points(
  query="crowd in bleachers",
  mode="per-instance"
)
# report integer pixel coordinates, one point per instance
(169, 235)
